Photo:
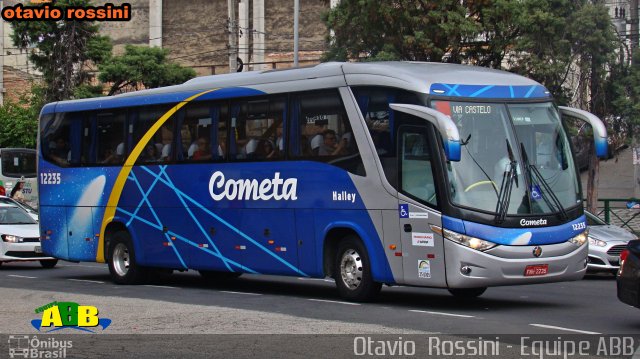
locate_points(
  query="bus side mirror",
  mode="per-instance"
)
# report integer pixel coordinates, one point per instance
(443, 123)
(599, 129)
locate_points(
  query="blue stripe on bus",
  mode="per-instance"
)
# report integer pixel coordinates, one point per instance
(147, 100)
(490, 91)
(517, 236)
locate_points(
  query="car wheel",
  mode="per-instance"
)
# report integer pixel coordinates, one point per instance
(352, 271)
(218, 276)
(467, 293)
(49, 263)
(122, 260)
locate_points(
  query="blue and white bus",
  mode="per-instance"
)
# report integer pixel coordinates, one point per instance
(434, 175)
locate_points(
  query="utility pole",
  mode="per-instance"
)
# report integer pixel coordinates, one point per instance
(296, 37)
(233, 36)
(243, 20)
(259, 42)
(2, 57)
(634, 26)
(634, 53)
(155, 23)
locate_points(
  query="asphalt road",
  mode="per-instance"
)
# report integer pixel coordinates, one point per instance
(184, 303)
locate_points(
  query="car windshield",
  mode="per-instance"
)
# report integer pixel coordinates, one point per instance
(533, 162)
(26, 207)
(14, 215)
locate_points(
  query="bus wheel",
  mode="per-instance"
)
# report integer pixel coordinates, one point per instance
(352, 272)
(467, 293)
(218, 276)
(49, 263)
(122, 260)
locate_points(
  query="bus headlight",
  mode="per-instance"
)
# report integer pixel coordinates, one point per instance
(467, 241)
(596, 242)
(580, 239)
(11, 239)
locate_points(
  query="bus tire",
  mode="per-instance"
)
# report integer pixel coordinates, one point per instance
(123, 267)
(352, 271)
(213, 276)
(467, 293)
(48, 263)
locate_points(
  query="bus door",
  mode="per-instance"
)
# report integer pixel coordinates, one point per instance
(422, 247)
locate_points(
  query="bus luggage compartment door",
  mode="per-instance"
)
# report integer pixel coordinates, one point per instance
(80, 234)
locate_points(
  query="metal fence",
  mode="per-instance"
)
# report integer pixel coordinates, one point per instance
(621, 212)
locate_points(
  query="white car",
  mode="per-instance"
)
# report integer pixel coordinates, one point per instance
(32, 211)
(20, 237)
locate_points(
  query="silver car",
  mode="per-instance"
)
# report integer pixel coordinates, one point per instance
(20, 237)
(606, 242)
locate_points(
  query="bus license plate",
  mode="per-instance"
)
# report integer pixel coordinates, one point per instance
(541, 269)
(38, 249)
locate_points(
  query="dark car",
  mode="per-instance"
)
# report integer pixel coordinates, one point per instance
(629, 274)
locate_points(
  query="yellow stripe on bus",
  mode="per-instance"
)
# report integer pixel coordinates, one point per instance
(116, 192)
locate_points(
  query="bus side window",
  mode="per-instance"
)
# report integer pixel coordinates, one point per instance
(203, 132)
(257, 129)
(110, 137)
(320, 131)
(140, 120)
(62, 139)
(416, 175)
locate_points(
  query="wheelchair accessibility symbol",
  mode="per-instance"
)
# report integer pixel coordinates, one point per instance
(404, 211)
(536, 194)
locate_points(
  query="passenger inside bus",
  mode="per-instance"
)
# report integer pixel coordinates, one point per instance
(331, 146)
(59, 151)
(267, 150)
(203, 152)
(150, 153)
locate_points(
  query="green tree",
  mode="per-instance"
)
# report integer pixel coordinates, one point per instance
(626, 83)
(399, 30)
(500, 23)
(142, 67)
(63, 50)
(542, 51)
(19, 120)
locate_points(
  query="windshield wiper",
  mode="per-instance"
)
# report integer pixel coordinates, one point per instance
(534, 172)
(504, 196)
(465, 143)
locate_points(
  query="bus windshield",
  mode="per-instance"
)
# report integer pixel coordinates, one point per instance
(517, 153)
(18, 163)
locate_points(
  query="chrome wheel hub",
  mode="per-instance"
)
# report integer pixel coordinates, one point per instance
(121, 259)
(351, 269)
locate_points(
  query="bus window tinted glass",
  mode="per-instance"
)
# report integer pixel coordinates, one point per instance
(373, 103)
(62, 138)
(257, 129)
(159, 146)
(320, 131)
(110, 137)
(203, 132)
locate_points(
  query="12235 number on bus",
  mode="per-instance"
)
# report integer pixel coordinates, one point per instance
(50, 178)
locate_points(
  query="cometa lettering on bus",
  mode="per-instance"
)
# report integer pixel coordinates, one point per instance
(252, 190)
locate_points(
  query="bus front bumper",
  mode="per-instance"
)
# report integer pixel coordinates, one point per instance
(469, 268)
